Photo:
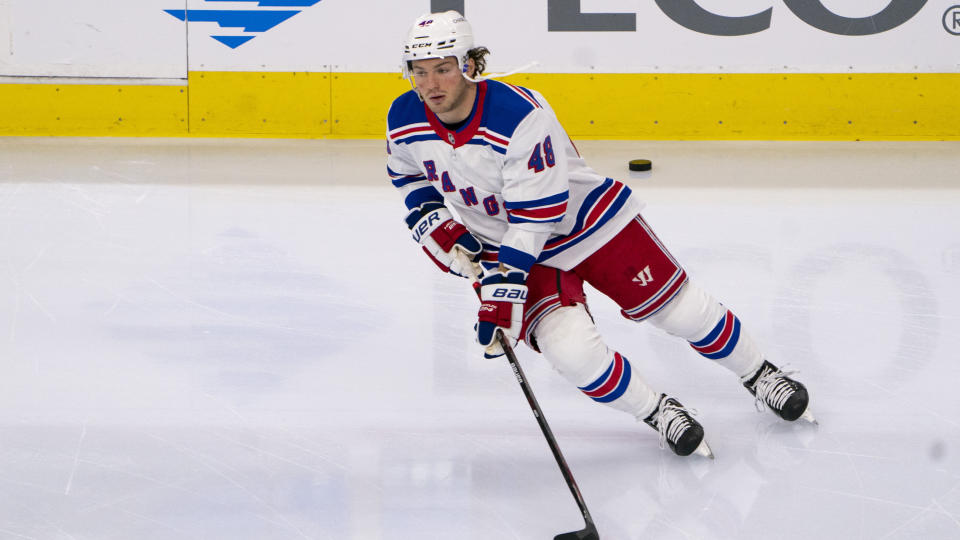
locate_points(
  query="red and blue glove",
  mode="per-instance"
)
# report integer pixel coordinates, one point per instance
(502, 297)
(442, 237)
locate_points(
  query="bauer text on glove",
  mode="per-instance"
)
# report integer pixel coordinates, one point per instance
(502, 297)
(441, 237)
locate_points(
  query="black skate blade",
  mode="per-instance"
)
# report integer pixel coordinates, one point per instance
(589, 533)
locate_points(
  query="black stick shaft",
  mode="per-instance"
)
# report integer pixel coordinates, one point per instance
(538, 414)
(545, 428)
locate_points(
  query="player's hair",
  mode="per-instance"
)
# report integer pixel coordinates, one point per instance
(479, 57)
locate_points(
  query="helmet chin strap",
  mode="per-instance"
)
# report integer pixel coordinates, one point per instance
(414, 86)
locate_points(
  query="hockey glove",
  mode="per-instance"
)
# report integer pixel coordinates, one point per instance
(502, 296)
(434, 228)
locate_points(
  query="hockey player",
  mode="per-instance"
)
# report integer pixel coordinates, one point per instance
(541, 222)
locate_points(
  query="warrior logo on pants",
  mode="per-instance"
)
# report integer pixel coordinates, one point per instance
(644, 276)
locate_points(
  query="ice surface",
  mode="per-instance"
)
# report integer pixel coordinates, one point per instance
(237, 339)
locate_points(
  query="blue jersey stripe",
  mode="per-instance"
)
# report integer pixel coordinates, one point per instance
(588, 203)
(418, 138)
(407, 180)
(517, 219)
(516, 258)
(483, 142)
(552, 199)
(423, 195)
(610, 212)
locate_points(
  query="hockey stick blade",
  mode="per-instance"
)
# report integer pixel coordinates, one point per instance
(590, 533)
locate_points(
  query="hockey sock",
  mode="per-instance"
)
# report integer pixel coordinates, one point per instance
(571, 343)
(712, 330)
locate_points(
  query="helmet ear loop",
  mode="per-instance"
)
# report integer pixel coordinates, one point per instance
(465, 67)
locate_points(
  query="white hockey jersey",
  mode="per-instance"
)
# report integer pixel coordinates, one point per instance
(511, 174)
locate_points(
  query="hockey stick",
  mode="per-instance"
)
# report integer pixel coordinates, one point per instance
(590, 531)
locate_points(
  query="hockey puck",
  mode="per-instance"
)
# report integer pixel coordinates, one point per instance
(640, 165)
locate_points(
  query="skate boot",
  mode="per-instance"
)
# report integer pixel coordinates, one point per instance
(677, 428)
(784, 396)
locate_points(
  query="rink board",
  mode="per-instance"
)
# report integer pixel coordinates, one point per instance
(679, 106)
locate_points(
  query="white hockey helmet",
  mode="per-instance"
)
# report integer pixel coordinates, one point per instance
(438, 35)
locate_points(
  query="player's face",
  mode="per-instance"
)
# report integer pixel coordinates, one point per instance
(444, 89)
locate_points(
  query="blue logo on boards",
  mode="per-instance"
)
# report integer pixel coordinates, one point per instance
(255, 21)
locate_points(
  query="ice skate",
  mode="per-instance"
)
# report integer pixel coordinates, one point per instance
(775, 390)
(678, 429)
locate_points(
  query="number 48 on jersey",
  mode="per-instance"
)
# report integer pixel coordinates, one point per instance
(537, 159)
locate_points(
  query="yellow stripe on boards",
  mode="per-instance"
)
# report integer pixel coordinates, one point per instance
(866, 106)
(93, 110)
(361, 102)
(259, 104)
